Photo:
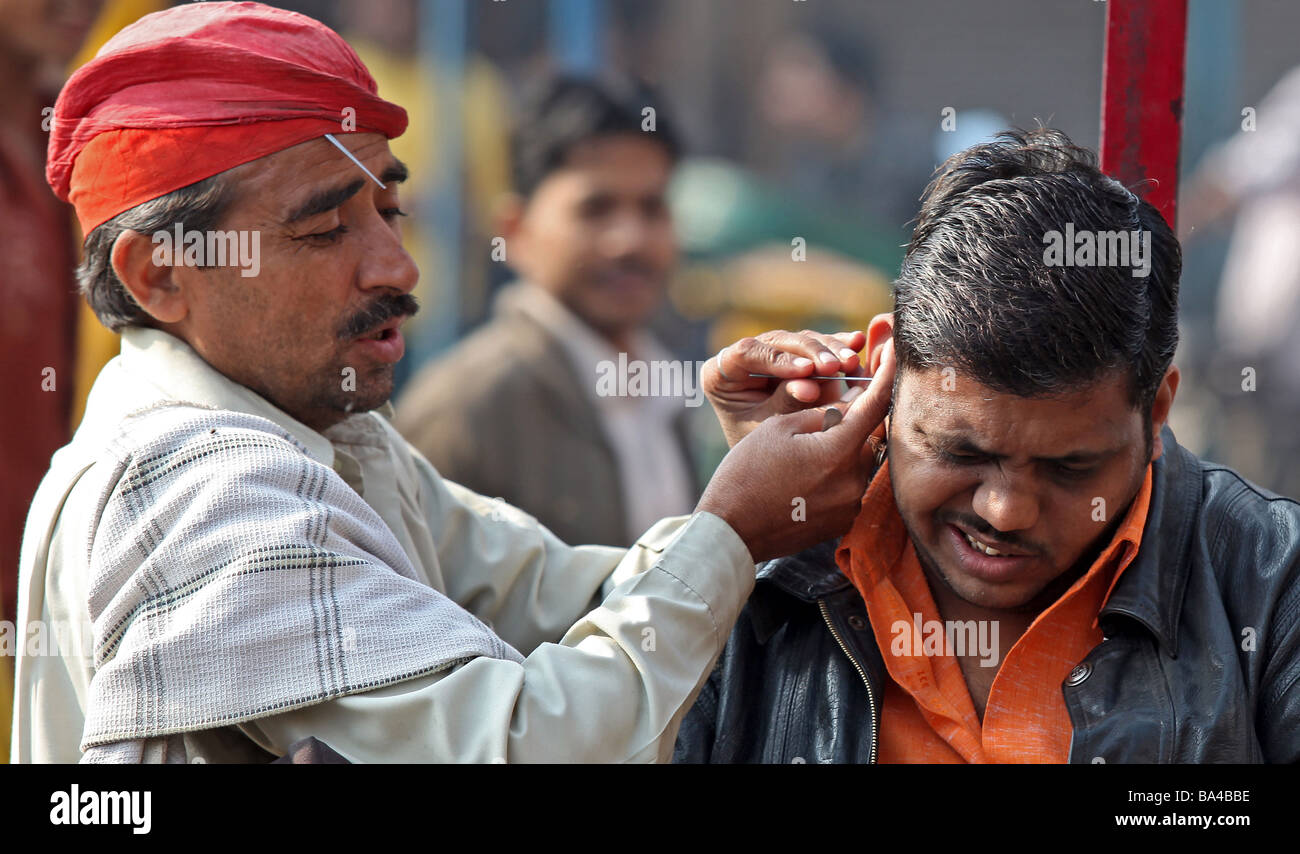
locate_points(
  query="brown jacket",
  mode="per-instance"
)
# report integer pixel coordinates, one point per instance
(521, 429)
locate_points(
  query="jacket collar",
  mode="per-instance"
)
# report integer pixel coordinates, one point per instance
(808, 576)
(1150, 590)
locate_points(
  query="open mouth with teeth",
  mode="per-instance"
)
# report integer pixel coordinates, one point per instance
(988, 550)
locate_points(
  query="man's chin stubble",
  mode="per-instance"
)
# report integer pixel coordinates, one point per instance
(935, 574)
(353, 395)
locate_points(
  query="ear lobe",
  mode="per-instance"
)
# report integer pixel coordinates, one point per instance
(508, 214)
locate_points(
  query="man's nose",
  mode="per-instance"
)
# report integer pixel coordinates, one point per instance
(385, 263)
(1006, 505)
(628, 233)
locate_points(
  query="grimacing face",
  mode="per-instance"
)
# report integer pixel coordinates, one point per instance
(1018, 472)
(331, 261)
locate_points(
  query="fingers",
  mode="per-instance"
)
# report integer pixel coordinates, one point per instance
(800, 393)
(789, 356)
(794, 354)
(755, 355)
(854, 341)
(830, 353)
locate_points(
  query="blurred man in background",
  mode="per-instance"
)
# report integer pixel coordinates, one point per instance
(1252, 181)
(830, 138)
(590, 235)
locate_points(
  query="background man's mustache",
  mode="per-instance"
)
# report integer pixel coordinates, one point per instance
(384, 308)
(634, 264)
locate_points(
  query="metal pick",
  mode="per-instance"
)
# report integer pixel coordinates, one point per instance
(846, 379)
(352, 157)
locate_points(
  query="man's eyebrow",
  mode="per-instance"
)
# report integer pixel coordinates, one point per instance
(964, 444)
(395, 172)
(326, 200)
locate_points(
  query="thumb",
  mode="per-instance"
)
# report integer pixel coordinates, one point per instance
(868, 409)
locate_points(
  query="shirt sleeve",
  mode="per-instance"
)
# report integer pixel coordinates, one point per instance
(512, 572)
(614, 689)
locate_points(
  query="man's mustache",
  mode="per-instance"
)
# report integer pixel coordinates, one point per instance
(381, 310)
(1010, 541)
(633, 264)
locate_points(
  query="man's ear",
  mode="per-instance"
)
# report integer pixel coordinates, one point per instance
(879, 330)
(1160, 407)
(508, 213)
(152, 284)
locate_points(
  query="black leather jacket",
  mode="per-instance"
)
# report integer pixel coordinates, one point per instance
(1201, 661)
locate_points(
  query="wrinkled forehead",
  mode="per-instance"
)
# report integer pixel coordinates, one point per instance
(284, 180)
(944, 400)
(316, 158)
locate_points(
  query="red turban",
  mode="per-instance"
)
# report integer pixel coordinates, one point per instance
(186, 93)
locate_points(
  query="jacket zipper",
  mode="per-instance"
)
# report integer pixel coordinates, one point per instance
(871, 697)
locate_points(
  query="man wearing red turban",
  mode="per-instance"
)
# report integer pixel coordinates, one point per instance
(237, 551)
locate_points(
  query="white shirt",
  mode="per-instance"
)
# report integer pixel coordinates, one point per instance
(605, 686)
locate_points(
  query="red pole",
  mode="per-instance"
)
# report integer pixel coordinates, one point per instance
(1142, 97)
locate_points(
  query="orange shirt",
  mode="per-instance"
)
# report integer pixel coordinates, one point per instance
(927, 712)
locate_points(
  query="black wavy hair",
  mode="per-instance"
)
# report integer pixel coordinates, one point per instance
(976, 293)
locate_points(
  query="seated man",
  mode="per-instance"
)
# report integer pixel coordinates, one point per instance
(1039, 573)
(237, 551)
